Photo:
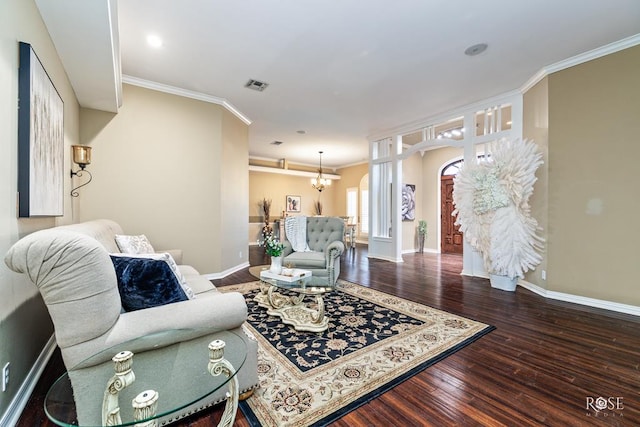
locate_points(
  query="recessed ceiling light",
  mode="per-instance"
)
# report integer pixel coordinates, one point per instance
(154, 41)
(301, 132)
(276, 143)
(476, 49)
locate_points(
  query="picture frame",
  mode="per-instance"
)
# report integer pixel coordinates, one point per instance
(408, 202)
(40, 140)
(293, 204)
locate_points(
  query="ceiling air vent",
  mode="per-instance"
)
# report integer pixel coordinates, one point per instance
(256, 85)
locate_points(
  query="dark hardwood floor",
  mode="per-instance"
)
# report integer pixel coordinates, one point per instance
(543, 365)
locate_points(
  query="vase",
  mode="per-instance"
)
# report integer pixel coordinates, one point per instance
(276, 264)
(504, 283)
(421, 243)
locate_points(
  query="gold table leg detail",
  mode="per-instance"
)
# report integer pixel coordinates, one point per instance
(123, 378)
(219, 365)
(145, 406)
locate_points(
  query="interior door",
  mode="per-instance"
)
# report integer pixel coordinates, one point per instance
(451, 238)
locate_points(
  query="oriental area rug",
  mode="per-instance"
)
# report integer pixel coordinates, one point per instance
(374, 342)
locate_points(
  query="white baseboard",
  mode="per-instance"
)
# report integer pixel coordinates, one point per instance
(225, 273)
(19, 402)
(416, 251)
(385, 258)
(577, 299)
(474, 274)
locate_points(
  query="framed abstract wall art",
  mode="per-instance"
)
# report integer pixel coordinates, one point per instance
(40, 140)
(408, 202)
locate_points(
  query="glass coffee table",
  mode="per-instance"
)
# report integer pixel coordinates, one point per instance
(289, 305)
(128, 398)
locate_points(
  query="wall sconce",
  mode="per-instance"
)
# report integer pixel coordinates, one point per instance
(82, 157)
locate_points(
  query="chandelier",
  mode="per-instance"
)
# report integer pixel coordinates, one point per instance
(320, 182)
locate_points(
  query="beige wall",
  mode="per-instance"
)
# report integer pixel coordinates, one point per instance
(277, 186)
(594, 111)
(159, 168)
(234, 205)
(432, 163)
(536, 128)
(264, 185)
(24, 321)
(350, 178)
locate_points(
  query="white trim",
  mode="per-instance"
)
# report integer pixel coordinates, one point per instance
(309, 165)
(185, 93)
(385, 258)
(431, 251)
(578, 299)
(498, 99)
(112, 9)
(581, 58)
(19, 402)
(225, 273)
(415, 251)
(352, 164)
(474, 274)
(267, 169)
(407, 128)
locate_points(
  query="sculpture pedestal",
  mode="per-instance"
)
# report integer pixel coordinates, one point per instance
(504, 283)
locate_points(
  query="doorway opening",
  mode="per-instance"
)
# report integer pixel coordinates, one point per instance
(451, 238)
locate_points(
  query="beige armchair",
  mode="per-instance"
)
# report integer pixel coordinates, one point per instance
(324, 237)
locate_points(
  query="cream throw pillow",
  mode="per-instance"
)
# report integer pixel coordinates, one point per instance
(134, 244)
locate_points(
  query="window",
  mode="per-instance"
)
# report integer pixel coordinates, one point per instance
(453, 168)
(364, 211)
(352, 204)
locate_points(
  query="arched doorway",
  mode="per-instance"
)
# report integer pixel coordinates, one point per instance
(451, 238)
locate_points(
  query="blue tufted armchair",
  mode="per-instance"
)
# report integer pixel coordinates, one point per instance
(324, 237)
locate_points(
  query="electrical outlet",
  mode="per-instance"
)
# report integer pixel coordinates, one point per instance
(240, 254)
(544, 274)
(5, 377)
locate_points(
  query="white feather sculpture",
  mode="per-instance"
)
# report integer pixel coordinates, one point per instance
(492, 205)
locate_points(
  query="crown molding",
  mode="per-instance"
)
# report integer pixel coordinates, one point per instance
(580, 59)
(351, 165)
(292, 172)
(185, 93)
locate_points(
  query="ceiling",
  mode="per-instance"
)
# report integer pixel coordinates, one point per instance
(337, 70)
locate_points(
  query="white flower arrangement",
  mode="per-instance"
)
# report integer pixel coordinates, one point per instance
(492, 205)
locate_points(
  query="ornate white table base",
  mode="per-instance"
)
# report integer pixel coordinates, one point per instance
(145, 404)
(292, 310)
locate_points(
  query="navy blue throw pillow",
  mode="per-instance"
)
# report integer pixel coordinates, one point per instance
(145, 283)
